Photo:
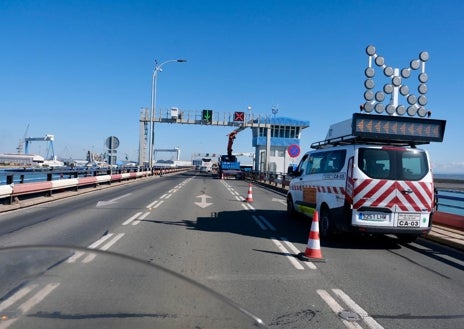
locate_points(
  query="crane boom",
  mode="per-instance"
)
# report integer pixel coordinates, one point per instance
(232, 136)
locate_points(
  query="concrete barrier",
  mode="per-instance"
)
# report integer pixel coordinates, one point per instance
(5, 191)
(64, 183)
(450, 220)
(26, 188)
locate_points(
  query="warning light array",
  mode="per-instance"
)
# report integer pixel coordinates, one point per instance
(395, 86)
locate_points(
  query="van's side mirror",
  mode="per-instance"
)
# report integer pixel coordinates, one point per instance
(292, 171)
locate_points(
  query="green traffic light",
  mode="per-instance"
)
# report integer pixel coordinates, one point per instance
(207, 115)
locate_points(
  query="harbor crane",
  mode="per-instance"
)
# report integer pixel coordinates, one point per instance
(47, 138)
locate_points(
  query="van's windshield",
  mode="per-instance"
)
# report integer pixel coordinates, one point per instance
(393, 163)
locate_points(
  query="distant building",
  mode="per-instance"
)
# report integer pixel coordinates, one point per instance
(282, 133)
(21, 160)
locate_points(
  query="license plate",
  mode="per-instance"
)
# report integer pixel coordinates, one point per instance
(373, 217)
(409, 220)
(408, 223)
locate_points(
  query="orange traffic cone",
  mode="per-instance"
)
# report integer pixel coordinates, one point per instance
(250, 194)
(313, 249)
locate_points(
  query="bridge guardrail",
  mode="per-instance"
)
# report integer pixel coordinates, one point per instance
(14, 190)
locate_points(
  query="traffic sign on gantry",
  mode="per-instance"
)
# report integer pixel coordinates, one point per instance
(207, 116)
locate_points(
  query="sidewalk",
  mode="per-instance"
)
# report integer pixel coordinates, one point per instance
(447, 236)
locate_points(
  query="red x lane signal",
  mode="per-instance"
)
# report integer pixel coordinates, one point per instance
(239, 116)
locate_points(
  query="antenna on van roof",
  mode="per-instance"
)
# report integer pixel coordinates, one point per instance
(395, 86)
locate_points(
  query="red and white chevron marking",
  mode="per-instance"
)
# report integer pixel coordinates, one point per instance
(391, 195)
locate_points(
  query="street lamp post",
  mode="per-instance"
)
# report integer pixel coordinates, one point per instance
(157, 69)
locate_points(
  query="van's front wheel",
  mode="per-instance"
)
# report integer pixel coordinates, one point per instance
(291, 212)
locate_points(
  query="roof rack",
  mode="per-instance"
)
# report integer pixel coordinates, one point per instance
(350, 139)
(382, 129)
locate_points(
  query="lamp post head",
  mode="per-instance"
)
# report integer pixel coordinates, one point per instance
(181, 60)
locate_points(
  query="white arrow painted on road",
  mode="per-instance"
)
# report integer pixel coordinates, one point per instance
(115, 200)
(203, 203)
(280, 200)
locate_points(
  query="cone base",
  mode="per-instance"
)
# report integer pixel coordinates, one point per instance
(302, 256)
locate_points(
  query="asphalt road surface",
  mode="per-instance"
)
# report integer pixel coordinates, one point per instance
(202, 228)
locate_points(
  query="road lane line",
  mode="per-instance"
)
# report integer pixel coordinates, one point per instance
(31, 302)
(289, 256)
(145, 215)
(336, 308)
(38, 297)
(152, 204)
(113, 241)
(79, 254)
(163, 196)
(130, 220)
(16, 296)
(371, 323)
(295, 250)
(261, 225)
(100, 241)
(271, 227)
(159, 204)
(91, 256)
(248, 206)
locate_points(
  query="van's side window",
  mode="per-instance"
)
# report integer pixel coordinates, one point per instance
(335, 161)
(326, 162)
(303, 164)
(315, 163)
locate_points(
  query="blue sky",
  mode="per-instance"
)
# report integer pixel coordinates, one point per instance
(81, 70)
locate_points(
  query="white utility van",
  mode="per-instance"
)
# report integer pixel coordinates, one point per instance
(368, 179)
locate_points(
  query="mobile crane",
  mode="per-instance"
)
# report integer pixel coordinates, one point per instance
(228, 166)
